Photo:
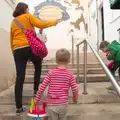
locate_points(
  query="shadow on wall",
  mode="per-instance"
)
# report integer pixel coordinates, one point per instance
(7, 68)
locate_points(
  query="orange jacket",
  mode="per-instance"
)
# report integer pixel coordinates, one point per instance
(17, 37)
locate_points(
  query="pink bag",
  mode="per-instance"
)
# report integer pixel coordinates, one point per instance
(38, 47)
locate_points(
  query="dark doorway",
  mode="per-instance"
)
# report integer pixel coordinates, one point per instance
(102, 22)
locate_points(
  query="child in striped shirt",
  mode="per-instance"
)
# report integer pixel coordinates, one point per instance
(59, 80)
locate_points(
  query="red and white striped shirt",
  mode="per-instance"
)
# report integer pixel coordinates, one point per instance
(59, 81)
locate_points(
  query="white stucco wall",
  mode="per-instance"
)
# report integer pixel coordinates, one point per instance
(111, 23)
(7, 71)
(6, 15)
(92, 36)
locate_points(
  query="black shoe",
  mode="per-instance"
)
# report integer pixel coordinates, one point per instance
(21, 111)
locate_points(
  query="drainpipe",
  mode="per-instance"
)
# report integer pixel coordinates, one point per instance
(97, 20)
(72, 51)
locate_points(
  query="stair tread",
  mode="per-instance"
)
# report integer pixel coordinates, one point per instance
(97, 93)
(93, 88)
(92, 63)
(75, 110)
(81, 75)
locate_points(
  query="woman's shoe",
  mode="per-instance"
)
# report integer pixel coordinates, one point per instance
(21, 111)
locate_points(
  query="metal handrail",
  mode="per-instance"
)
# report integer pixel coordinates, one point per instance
(112, 79)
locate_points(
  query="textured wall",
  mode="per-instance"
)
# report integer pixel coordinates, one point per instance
(7, 71)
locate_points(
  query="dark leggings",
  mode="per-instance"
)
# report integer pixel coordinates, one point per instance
(115, 67)
(21, 57)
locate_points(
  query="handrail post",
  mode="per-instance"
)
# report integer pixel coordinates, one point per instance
(85, 69)
(78, 67)
(72, 51)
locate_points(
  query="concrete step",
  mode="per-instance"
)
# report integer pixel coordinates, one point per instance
(74, 71)
(90, 78)
(53, 65)
(97, 93)
(76, 112)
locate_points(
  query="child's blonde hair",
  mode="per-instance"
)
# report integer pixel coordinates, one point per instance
(63, 56)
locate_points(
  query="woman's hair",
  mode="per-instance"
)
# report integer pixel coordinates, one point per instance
(20, 9)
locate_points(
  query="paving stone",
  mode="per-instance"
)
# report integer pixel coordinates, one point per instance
(103, 117)
(80, 112)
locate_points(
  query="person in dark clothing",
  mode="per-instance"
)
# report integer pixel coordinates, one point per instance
(21, 57)
(22, 52)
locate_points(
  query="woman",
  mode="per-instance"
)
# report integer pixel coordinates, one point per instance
(22, 52)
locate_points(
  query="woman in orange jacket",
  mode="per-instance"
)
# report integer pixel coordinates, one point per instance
(22, 52)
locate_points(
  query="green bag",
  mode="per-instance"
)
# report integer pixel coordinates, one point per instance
(114, 4)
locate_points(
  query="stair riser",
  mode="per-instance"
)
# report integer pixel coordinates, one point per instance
(31, 71)
(69, 66)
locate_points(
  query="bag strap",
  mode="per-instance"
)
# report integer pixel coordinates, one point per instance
(19, 24)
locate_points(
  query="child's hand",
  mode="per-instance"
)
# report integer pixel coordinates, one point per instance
(75, 100)
(75, 97)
